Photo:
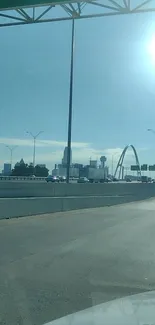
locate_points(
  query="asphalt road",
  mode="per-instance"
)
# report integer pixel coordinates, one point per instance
(53, 265)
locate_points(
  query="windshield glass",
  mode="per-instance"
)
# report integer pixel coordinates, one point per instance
(77, 165)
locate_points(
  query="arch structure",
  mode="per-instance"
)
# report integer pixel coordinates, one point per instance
(121, 159)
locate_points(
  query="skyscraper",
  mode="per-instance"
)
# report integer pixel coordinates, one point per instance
(64, 159)
(7, 169)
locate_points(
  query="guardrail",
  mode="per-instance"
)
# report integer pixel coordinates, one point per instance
(21, 178)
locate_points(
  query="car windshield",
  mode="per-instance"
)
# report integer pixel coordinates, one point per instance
(77, 162)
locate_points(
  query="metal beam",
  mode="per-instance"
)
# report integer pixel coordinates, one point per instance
(73, 9)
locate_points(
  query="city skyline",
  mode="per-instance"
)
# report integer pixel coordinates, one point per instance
(56, 157)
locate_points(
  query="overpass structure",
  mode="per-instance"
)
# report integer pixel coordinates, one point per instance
(21, 12)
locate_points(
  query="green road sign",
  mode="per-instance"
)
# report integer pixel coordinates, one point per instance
(144, 167)
(135, 167)
(12, 4)
(152, 167)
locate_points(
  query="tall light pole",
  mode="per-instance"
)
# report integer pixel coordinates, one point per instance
(70, 105)
(11, 149)
(34, 144)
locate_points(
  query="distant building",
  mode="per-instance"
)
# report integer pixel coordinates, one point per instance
(62, 171)
(93, 163)
(77, 165)
(7, 169)
(42, 165)
(79, 170)
(94, 173)
(64, 159)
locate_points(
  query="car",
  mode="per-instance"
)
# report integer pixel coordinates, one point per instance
(62, 178)
(53, 179)
(144, 179)
(114, 179)
(83, 180)
(32, 176)
(108, 180)
(128, 180)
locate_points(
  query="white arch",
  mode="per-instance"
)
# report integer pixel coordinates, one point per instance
(121, 159)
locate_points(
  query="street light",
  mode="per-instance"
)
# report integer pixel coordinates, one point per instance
(70, 105)
(34, 144)
(11, 152)
(151, 130)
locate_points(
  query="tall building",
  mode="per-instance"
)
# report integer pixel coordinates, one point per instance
(64, 159)
(7, 169)
(93, 163)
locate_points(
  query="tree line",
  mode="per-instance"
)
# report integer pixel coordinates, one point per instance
(22, 169)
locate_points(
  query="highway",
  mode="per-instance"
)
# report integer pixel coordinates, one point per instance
(53, 265)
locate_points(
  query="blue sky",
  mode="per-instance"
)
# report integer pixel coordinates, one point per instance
(114, 89)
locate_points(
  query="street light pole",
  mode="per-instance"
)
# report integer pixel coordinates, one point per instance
(151, 130)
(11, 153)
(112, 165)
(34, 145)
(70, 105)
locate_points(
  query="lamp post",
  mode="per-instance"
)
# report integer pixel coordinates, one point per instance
(151, 130)
(70, 105)
(11, 149)
(34, 144)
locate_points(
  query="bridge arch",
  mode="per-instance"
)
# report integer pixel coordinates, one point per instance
(121, 159)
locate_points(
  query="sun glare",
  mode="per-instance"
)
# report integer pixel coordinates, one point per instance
(151, 49)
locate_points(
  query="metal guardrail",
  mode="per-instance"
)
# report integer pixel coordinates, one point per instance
(26, 178)
(21, 178)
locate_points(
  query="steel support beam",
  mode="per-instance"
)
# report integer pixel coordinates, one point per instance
(58, 11)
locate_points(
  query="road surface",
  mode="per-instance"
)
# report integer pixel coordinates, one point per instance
(53, 265)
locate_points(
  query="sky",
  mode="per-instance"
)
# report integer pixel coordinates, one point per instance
(113, 90)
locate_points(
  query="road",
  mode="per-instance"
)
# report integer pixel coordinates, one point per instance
(53, 265)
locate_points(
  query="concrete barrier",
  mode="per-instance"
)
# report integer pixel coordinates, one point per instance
(23, 199)
(19, 207)
(24, 189)
(11, 208)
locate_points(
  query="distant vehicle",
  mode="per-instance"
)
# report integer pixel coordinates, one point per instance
(144, 179)
(83, 180)
(96, 175)
(53, 179)
(108, 180)
(128, 180)
(32, 176)
(62, 178)
(114, 179)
